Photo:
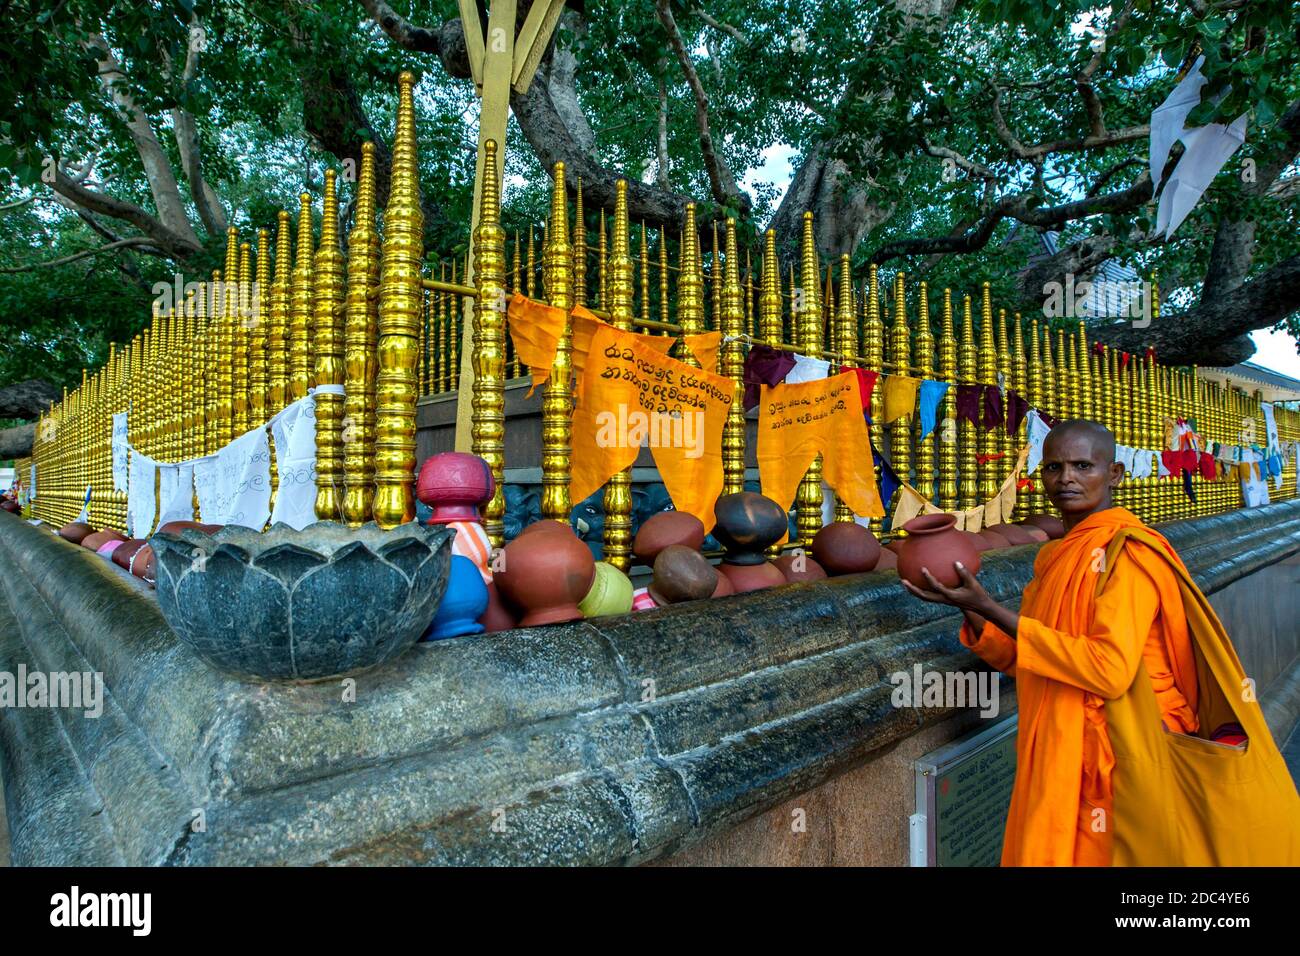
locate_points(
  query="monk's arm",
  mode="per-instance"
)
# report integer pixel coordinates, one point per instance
(991, 640)
(1104, 660)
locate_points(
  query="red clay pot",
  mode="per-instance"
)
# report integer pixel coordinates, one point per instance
(546, 574)
(682, 574)
(980, 542)
(75, 531)
(1013, 533)
(498, 616)
(176, 527)
(994, 539)
(126, 551)
(888, 561)
(933, 542)
(810, 570)
(843, 547)
(455, 484)
(544, 526)
(1053, 525)
(896, 546)
(724, 587)
(1035, 532)
(664, 528)
(94, 541)
(752, 577)
(142, 565)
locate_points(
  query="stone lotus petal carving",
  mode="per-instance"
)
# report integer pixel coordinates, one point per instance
(301, 605)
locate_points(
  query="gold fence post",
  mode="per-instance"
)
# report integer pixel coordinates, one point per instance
(488, 401)
(925, 472)
(557, 400)
(808, 325)
(618, 491)
(360, 332)
(948, 422)
(731, 363)
(327, 338)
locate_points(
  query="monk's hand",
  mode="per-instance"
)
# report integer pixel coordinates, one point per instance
(968, 595)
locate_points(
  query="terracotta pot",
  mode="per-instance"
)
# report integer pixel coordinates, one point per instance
(845, 548)
(724, 587)
(1035, 532)
(895, 545)
(546, 574)
(74, 531)
(682, 574)
(1013, 533)
(96, 540)
(455, 484)
(544, 526)
(611, 593)
(464, 601)
(11, 505)
(994, 539)
(126, 551)
(800, 567)
(888, 561)
(752, 577)
(176, 527)
(498, 616)
(664, 528)
(748, 524)
(980, 542)
(933, 542)
(142, 565)
(1053, 525)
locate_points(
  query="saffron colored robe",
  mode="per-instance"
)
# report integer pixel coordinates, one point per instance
(1073, 651)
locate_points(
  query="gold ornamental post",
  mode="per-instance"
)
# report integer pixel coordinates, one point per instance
(808, 322)
(731, 362)
(300, 295)
(618, 286)
(489, 402)
(360, 332)
(327, 337)
(557, 400)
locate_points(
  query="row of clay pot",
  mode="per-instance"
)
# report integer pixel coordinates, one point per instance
(130, 554)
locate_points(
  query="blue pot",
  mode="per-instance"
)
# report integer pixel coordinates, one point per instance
(463, 603)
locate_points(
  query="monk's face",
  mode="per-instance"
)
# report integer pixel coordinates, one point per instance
(1077, 475)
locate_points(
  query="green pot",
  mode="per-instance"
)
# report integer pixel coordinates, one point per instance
(611, 593)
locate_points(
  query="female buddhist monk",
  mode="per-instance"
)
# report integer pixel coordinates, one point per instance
(1076, 653)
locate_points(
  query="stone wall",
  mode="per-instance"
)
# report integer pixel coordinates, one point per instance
(687, 730)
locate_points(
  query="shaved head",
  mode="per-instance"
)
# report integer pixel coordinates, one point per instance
(1102, 438)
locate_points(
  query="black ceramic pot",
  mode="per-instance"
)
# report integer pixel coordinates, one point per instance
(748, 524)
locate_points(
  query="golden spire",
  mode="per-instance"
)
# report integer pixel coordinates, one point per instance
(488, 422)
(327, 339)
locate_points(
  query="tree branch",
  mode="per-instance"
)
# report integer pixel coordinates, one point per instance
(132, 242)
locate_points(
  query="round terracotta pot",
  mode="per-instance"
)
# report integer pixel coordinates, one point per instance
(126, 551)
(980, 542)
(748, 524)
(800, 567)
(546, 574)
(94, 541)
(664, 528)
(1013, 533)
(544, 526)
(896, 546)
(142, 565)
(752, 577)
(843, 547)
(1035, 532)
(682, 574)
(888, 561)
(1053, 525)
(724, 587)
(498, 616)
(455, 484)
(610, 594)
(933, 542)
(176, 527)
(75, 531)
(994, 539)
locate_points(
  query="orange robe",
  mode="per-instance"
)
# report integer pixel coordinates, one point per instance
(1074, 650)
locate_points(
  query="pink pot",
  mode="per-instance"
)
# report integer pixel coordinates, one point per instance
(455, 485)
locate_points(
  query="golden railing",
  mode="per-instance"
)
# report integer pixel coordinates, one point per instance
(388, 329)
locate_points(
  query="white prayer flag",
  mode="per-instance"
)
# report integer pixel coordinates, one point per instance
(176, 492)
(121, 470)
(140, 503)
(294, 433)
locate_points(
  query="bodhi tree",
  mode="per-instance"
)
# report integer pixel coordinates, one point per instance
(924, 135)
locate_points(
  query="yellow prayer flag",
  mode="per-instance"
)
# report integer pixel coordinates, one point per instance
(900, 396)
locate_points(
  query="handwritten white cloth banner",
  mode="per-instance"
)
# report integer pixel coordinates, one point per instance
(1036, 431)
(120, 467)
(234, 485)
(140, 495)
(176, 492)
(807, 369)
(294, 433)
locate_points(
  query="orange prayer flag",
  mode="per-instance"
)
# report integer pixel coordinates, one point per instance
(704, 346)
(798, 421)
(633, 394)
(535, 329)
(585, 324)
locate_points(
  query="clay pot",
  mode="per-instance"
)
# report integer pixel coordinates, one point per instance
(994, 539)
(888, 561)
(896, 546)
(664, 528)
(752, 577)
(176, 527)
(800, 567)
(75, 531)
(455, 485)
(106, 549)
(748, 524)
(933, 542)
(1013, 533)
(463, 602)
(94, 541)
(498, 616)
(611, 593)
(142, 565)
(845, 548)
(980, 542)
(1035, 532)
(546, 574)
(11, 505)
(126, 551)
(724, 587)
(1053, 525)
(544, 526)
(682, 574)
